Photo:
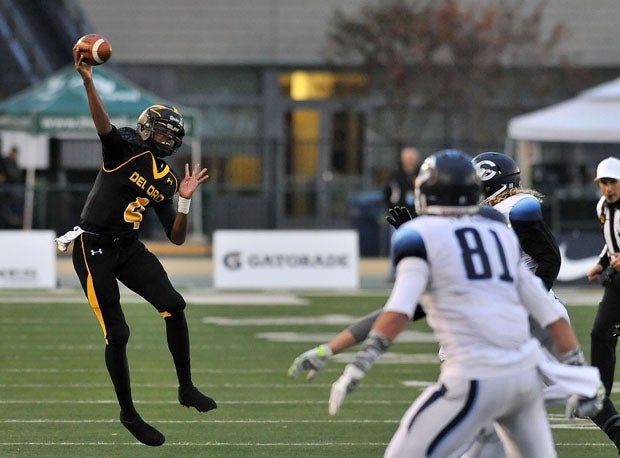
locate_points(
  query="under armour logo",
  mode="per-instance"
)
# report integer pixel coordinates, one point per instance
(169, 180)
(94, 252)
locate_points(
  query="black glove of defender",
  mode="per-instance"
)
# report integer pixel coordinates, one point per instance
(399, 216)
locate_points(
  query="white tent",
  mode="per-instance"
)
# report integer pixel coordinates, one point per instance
(591, 117)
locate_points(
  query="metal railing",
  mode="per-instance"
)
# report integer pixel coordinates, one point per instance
(58, 207)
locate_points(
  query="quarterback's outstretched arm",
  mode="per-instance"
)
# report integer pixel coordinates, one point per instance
(95, 104)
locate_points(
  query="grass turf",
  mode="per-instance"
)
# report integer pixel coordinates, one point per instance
(57, 399)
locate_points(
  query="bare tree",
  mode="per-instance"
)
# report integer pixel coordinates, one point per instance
(443, 54)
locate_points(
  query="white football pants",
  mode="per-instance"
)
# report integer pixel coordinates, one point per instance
(450, 414)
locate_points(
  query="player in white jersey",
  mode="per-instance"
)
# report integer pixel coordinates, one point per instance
(481, 295)
(521, 207)
(501, 188)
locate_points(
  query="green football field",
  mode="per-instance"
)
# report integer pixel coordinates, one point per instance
(57, 399)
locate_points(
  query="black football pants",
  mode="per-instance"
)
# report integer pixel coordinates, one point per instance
(100, 262)
(603, 349)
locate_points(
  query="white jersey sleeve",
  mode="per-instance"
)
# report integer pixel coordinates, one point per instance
(411, 278)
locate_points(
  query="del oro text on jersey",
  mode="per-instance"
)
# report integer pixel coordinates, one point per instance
(151, 190)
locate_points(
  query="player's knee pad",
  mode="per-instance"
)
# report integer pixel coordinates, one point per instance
(118, 334)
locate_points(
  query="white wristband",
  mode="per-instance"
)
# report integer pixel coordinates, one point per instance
(183, 205)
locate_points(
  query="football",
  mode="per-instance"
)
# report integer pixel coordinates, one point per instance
(94, 48)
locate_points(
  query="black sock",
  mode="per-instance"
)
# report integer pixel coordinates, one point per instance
(177, 334)
(118, 368)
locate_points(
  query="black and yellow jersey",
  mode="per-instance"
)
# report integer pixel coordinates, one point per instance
(131, 180)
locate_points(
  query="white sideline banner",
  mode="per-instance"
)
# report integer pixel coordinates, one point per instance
(27, 259)
(286, 259)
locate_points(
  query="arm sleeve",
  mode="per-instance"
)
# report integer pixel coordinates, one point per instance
(600, 212)
(536, 239)
(411, 278)
(362, 327)
(115, 149)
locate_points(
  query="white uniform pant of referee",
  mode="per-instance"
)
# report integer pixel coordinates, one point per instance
(447, 416)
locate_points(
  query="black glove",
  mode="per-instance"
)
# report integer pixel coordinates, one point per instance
(399, 216)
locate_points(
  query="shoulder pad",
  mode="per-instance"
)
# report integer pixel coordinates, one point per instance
(407, 242)
(526, 209)
(489, 212)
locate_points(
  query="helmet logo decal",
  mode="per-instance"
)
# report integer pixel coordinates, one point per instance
(487, 170)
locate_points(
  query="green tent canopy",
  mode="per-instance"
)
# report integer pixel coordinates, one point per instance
(57, 107)
(58, 104)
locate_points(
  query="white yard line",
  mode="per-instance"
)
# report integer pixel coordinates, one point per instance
(201, 444)
(250, 402)
(206, 420)
(192, 298)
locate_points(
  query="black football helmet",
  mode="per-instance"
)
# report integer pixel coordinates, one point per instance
(167, 124)
(447, 184)
(498, 173)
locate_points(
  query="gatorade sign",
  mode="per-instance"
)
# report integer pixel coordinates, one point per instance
(286, 259)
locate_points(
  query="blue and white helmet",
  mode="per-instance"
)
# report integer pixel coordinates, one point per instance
(498, 173)
(447, 184)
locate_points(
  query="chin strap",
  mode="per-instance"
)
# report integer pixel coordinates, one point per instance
(494, 195)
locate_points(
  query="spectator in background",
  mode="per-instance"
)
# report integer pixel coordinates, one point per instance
(12, 170)
(11, 195)
(399, 190)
